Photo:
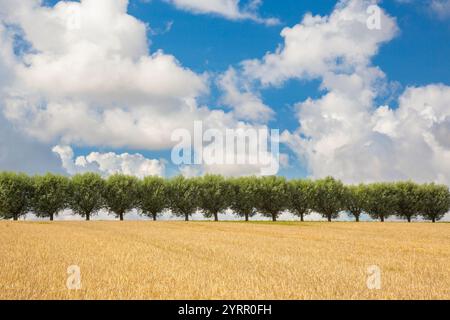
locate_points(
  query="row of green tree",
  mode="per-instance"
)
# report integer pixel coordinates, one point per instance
(86, 194)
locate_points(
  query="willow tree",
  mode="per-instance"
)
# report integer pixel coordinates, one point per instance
(301, 196)
(355, 200)
(244, 199)
(153, 196)
(434, 201)
(408, 200)
(51, 195)
(272, 196)
(86, 194)
(329, 197)
(121, 194)
(183, 195)
(215, 194)
(381, 201)
(16, 191)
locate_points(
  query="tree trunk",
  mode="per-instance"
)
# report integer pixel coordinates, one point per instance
(329, 218)
(409, 219)
(274, 218)
(154, 217)
(302, 218)
(186, 217)
(16, 217)
(121, 216)
(357, 218)
(88, 217)
(51, 217)
(246, 217)
(433, 220)
(216, 216)
(382, 218)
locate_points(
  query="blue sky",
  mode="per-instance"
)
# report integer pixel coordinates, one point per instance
(209, 43)
(322, 137)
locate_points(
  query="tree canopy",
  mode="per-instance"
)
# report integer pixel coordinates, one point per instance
(214, 195)
(434, 201)
(121, 194)
(183, 196)
(16, 191)
(301, 197)
(329, 197)
(355, 200)
(86, 194)
(153, 196)
(272, 196)
(381, 201)
(244, 197)
(51, 195)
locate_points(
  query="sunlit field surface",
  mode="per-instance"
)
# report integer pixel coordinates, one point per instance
(227, 260)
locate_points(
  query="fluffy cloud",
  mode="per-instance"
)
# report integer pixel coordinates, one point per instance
(340, 43)
(80, 73)
(109, 163)
(246, 104)
(410, 142)
(229, 9)
(343, 133)
(85, 75)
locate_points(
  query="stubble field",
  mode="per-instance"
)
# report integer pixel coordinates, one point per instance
(227, 260)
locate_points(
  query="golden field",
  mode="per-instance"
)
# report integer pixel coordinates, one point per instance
(226, 260)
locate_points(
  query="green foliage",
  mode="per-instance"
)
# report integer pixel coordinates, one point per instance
(215, 194)
(244, 199)
(381, 201)
(272, 196)
(51, 195)
(153, 196)
(355, 200)
(329, 197)
(86, 194)
(408, 200)
(16, 191)
(183, 196)
(434, 201)
(121, 194)
(301, 196)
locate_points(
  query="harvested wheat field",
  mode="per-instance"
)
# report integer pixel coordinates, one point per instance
(228, 260)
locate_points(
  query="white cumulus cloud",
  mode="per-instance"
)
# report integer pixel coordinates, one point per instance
(109, 163)
(87, 77)
(344, 133)
(246, 104)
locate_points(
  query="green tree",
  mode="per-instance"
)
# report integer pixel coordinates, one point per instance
(408, 200)
(381, 201)
(215, 194)
(244, 198)
(183, 196)
(51, 195)
(153, 196)
(301, 196)
(272, 196)
(328, 197)
(434, 201)
(355, 200)
(121, 194)
(16, 191)
(86, 194)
